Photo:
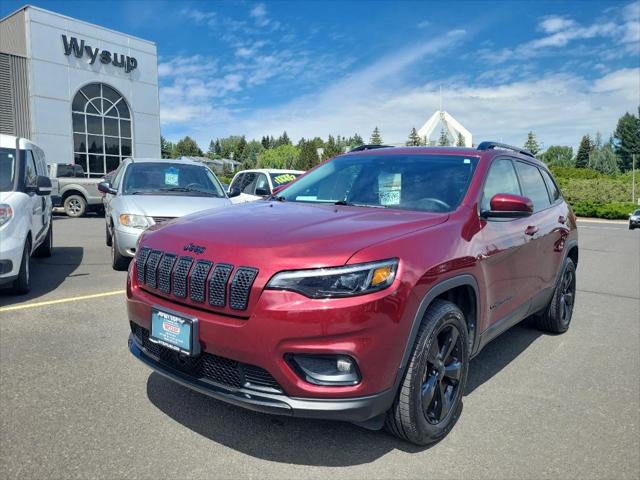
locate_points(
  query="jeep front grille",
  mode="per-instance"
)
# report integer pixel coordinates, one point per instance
(200, 281)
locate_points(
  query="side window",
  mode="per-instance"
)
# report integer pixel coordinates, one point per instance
(236, 181)
(551, 186)
(533, 185)
(502, 178)
(262, 185)
(78, 171)
(249, 183)
(30, 172)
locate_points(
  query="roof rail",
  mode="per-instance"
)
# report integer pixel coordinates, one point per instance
(504, 146)
(361, 148)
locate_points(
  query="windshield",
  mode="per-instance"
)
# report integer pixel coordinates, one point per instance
(7, 169)
(429, 183)
(165, 178)
(283, 178)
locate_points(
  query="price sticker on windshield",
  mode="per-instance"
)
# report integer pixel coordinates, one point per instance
(284, 178)
(171, 176)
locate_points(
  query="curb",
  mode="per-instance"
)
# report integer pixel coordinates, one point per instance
(601, 220)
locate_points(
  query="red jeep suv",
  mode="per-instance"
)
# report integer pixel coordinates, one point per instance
(360, 291)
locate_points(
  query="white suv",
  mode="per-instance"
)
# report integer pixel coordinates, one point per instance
(25, 210)
(250, 185)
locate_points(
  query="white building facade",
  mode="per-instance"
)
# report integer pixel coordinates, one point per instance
(85, 94)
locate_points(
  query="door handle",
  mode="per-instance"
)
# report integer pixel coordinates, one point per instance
(531, 230)
(562, 219)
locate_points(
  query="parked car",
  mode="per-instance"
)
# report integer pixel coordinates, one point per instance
(250, 185)
(76, 193)
(25, 211)
(360, 291)
(146, 191)
(634, 220)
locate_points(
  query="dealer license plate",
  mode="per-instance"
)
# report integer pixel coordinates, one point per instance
(173, 331)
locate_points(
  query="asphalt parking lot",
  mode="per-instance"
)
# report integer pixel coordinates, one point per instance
(75, 404)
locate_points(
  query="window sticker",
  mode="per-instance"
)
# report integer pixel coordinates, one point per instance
(284, 178)
(171, 176)
(389, 188)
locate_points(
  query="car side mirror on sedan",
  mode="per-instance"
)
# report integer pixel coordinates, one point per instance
(105, 187)
(508, 205)
(234, 192)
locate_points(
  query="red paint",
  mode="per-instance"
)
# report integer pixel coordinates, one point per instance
(373, 329)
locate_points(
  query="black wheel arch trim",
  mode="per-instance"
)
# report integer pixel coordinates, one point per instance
(464, 280)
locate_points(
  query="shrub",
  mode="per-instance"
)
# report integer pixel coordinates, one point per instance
(614, 210)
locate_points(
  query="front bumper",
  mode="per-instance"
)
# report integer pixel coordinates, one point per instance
(355, 409)
(634, 222)
(126, 240)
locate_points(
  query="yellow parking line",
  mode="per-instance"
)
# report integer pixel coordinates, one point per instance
(61, 300)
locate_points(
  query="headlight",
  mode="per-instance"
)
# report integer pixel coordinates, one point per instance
(344, 281)
(6, 213)
(135, 221)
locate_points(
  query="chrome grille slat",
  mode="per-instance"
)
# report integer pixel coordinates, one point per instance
(241, 287)
(180, 276)
(150, 269)
(218, 285)
(198, 280)
(164, 272)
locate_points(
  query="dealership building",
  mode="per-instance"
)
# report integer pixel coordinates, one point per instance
(85, 94)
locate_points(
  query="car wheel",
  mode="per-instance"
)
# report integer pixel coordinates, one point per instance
(429, 399)
(22, 284)
(46, 248)
(118, 261)
(108, 237)
(75, 205)
(556, 317)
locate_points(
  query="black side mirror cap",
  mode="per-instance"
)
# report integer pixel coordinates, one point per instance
(262, 192)
(234, 192)
(43, 185)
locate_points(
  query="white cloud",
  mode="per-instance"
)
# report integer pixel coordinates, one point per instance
(199, 16)
(259, 14)
(553, 24)
(423, 24)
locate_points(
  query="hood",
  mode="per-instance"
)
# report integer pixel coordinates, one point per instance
(169, 205)
(280, 235)
(7, 197)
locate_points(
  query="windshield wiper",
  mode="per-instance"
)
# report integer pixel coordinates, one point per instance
(186, 189)
(351, 204)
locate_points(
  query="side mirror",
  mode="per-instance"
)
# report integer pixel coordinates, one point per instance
(507, 205)
(262, 192)
(105, 187)
(234, 192)
(43, 185)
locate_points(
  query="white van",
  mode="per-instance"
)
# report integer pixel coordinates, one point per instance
(25, 210)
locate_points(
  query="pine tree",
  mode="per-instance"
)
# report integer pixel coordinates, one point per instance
(627, 140)
(217, 148)
(331, 148)
(308, 155)
(443, 141)
(211, 153)
(604, 160)
(460, 142)
(265, 142)
(239, 153)
(414, 138)
(283, 140)
(532, 144)
(376, 138)
(582, 157)
(166, 148)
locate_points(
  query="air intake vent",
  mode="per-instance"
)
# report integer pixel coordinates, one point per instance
(164, 272)
(218, 285)
(180, 276)
(241, 287)
(198, 280)
(150, 270)
(143, 254)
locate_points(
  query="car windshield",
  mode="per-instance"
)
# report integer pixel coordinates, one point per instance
(165, 178)
(279, 178)
(637, 212)
(429, 183)
(7, 169)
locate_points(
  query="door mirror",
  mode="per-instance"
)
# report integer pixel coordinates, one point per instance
(262, 192)
(507, 205)
(43, 185)
(105, 187)
(234, 191)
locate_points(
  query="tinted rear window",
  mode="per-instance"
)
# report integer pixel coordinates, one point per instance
(533, 185)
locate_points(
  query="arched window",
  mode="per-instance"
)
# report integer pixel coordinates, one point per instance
(102, 135)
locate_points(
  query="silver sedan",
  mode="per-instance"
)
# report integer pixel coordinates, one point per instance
(145, 192)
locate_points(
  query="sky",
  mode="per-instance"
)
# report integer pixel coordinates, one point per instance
(502, 68)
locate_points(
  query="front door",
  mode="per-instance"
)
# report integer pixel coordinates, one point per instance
(36, 202)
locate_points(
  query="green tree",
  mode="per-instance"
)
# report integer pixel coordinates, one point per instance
(355, 141)
(239, 152)
(532, 144)
(558, 156)
(584, 149)
(414, 139)
(253, 150)
(460, 141)
(604, 160)
(376, 138)
(308, 157)
(166, 148)
(331, 148)
(627, 140)
(187, 147)
(211, 153)
(443, 141)
(284, 156)
(283, 140)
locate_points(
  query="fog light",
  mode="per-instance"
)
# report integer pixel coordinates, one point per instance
(326, 369)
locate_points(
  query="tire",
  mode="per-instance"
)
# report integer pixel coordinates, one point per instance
(556, 317)
(22, 284)
(118, 262)
(108, 237)
(75, 205)
(46, 247)
(419, 417)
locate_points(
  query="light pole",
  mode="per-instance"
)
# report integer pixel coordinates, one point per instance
(633, 178)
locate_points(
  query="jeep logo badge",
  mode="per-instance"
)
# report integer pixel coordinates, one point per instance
(193, 248)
